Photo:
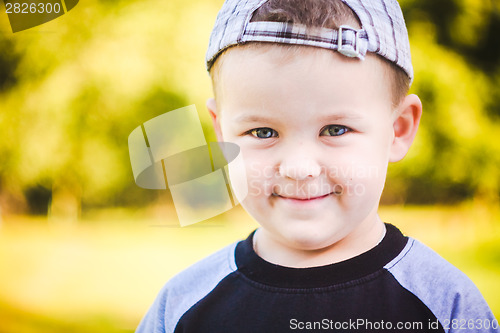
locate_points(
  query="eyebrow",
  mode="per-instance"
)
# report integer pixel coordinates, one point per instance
(252, 118)
(341, 116)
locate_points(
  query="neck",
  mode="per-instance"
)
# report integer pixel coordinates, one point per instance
(363, 238)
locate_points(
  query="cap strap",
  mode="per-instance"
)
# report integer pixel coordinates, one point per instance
(352, 42)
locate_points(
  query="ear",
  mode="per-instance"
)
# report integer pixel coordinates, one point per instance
(212, 110)
(407, 119)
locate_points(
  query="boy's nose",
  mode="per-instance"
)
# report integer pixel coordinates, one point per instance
(299, 168)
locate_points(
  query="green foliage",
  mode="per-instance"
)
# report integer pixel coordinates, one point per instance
(8, 65)
(84, 82)
(73, 89)
(456, 155)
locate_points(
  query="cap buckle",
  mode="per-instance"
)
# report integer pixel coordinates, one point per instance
(351, 51)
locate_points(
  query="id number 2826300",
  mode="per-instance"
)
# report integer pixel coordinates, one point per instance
(32, 8)
(462, 324)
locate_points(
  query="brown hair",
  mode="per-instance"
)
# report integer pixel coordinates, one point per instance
(330, 14)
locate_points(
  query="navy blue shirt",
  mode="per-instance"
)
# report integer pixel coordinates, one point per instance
(400, 285)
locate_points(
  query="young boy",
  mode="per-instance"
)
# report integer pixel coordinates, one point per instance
(314, 92)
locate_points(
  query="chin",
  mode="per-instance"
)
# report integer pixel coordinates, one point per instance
(311, 240)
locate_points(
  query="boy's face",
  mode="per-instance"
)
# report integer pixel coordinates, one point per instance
(316, 132)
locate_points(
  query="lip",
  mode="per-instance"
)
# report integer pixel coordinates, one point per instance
(298, 201)
(305, 198)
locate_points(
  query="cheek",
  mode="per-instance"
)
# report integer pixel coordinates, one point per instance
(254, 174)
(260, 175)
(360, 175)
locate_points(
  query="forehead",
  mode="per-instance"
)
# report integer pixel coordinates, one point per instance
(305, 78)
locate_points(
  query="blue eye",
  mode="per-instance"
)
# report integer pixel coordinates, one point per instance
(264, 133)
(334, 130)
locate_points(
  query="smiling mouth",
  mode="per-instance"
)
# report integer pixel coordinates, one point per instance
(305, 199)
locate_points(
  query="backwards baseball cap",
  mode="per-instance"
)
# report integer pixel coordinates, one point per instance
(383, 31)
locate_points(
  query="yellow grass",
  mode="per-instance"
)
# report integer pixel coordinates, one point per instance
(102, 273)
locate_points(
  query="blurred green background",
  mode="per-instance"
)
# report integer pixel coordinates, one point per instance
(83, 249)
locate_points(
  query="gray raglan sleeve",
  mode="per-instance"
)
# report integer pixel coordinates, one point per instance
(185, 289)
(154, 320)
(445, 290)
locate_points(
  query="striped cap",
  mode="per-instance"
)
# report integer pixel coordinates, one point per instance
(383, 31)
